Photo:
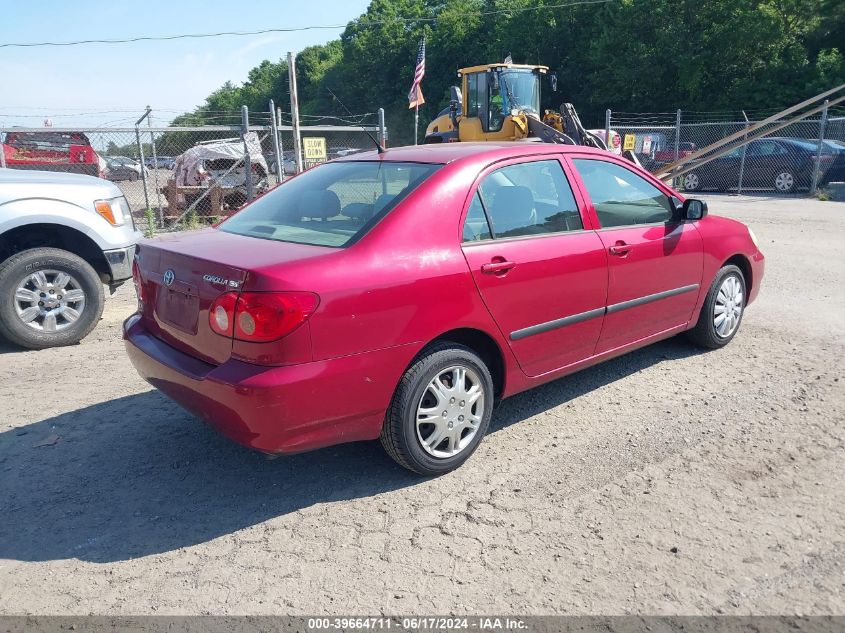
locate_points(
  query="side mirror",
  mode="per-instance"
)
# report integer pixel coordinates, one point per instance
(553, 82)
(693, 209)
(495, 79)
(455, 105)
(455, 96)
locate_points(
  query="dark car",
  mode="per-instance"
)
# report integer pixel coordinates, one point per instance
(782, 164)
(122, 168)
(836, 170)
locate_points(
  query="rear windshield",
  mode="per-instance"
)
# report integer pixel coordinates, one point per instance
(46, 139)
(330, 205)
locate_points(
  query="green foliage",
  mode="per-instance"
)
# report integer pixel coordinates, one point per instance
(150, 218)
(627, 55)
(129, 150)
(191, 221)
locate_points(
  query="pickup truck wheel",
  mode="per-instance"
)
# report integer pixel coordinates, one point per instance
(48, 298)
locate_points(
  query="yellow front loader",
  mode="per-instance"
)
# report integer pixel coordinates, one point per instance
(501, 102)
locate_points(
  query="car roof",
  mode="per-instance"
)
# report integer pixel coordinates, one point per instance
(444, 153)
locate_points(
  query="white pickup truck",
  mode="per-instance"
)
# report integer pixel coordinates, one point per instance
(62, 236)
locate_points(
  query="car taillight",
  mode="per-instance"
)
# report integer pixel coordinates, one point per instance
(139, 283)
(221, 316)
(260, 317)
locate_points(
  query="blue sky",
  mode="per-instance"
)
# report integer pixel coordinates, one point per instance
(97, 84)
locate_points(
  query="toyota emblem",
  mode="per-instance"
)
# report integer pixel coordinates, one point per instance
(169, 276)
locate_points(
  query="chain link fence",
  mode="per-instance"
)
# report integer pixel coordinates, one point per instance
(798, 158)
(184, 176)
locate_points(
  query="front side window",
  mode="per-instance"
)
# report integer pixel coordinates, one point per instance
(527, 199)
(620, 196)
(330, 205)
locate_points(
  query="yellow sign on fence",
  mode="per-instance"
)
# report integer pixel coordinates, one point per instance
(314, 148)
(630, 142)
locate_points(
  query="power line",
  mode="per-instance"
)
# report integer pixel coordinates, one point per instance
(183, 36)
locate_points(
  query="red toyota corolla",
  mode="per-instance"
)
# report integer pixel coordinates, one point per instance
(401, 295)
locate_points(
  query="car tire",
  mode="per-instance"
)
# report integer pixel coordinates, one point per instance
(21, 286)
(692, 181)
(411, 426)
(784, 181)
(727, 296)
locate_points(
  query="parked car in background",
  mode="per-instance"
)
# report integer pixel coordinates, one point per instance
(122, 168)
(62, 236)
(836, 171)
(160, 162)
(340, 152)
(783, 164)
(288, 163)
(667, 154)
(51, 150)
(339, 307)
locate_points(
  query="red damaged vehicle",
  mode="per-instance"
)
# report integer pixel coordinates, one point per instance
(52, 150)
(401, 294)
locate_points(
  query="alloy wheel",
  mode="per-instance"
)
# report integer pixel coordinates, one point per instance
(49, 300)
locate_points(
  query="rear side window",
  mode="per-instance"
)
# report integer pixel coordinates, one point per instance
(528, 199)
(330, 205)
(621, 197)
(476, 227)
(765, 148)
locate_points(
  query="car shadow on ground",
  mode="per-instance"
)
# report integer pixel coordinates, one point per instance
(137, 475)
(8, 348)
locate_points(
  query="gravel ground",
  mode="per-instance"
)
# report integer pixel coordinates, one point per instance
(668, 481)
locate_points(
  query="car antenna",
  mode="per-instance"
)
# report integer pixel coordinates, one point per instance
(378, 145)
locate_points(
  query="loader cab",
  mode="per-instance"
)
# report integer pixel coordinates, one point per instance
(492, 94)
(483, 108)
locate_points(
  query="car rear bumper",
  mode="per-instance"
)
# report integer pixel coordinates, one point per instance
(274, 409)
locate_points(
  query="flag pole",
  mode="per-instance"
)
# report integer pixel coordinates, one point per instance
(416, 122)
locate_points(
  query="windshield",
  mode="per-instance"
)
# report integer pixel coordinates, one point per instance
(331, 205)
(520, 90)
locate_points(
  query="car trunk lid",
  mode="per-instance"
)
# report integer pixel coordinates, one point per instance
(184, 274)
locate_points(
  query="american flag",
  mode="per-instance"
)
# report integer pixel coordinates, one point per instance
(415, 96)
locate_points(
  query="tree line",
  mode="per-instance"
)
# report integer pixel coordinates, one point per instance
(627, 55)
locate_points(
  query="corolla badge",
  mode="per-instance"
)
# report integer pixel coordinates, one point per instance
(169, 277)
(214, 279)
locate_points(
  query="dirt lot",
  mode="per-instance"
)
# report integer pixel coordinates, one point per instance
(667, 481)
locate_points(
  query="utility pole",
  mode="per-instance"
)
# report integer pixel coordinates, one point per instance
(294, 112)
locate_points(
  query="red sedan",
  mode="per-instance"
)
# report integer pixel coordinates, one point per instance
(401, 295)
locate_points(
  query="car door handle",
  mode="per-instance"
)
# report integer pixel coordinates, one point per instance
(620, 249)
(495, 268)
